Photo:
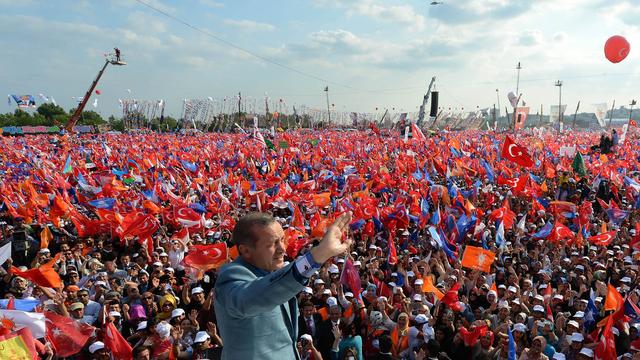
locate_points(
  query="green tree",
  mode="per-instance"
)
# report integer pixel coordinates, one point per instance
(89, 118)
(50, 111)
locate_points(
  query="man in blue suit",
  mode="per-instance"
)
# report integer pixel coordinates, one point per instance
(255, 302)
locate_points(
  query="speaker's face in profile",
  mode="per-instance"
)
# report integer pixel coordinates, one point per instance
(269, 249)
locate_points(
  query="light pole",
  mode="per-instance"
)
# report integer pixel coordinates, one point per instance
(518, 67)
(633, 103)
(498, 97)
(326, 90)
(559, 85)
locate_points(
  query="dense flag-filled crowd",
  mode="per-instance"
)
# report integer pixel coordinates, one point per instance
(467, 245)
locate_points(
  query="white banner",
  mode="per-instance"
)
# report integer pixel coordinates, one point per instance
(554, 115)
(600, 110)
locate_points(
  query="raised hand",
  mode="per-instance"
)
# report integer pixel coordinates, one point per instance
(332, 244)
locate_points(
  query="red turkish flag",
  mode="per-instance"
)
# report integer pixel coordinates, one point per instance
(516, 153)
(139, 224)
(560, 232)
(67, 335)
(393, 255)
(603, 239)
(206, 257)
(633, 123)
(350, 277)
(187, 217)
(118, 346)
(606, 348)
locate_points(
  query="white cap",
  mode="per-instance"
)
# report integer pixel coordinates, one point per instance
(558, 297)
(520, 327)
(115, 314)
(307, 290)
(306, 337)
(341, 261)
(348, 294)
(141, 325)
(357, 263)
(177, 312)
(326, 292)
(512, 289)
(417, 297)
(587, 352)
(626, 279)
(558, 356)
(538, 308)
(201, 336)
(411, 273)
(573, 323)
(333, 269)
(318, 281)
(96, 346)
(538, 297)
(579, 315)
(577, 337)
(421, 319)
(197, 290)
(418, 282)
(332, 302)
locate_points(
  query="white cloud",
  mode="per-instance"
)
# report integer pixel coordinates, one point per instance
(211, 3)
(249, 25)
(560, 37)
(400, 14)
(530, 38)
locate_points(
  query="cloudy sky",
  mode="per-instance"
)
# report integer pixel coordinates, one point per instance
(371, 53)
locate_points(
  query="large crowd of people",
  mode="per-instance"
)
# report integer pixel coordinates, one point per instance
(102, 238)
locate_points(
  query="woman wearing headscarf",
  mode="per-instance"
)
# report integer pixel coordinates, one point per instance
(400, 336)
(167, 304)
(535, 351)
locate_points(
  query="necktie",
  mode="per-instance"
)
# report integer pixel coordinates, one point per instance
(310, 326)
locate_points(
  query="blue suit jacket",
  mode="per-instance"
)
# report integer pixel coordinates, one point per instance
(257, 311)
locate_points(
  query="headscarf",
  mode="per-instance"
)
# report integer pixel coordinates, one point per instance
(164, 315)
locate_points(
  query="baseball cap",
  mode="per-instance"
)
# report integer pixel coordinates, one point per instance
(418, 282)
(538, 308)
(141, 325)
(573, 323)
(177, 312)
(558, 356)
(326, 292)
(579, 315)
(348, 294)
(201, 336)
(307, 290)
(586, 352)
(98, 345)
(520, 327)
(197, 290)
(577, 337)
(76, 306)
(417, 297)
(332, 301)
(421, 319)
(318, 281)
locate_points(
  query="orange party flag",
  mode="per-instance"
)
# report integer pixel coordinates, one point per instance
(614, 300)
(478, 258)
(429, 288)
(45, 237)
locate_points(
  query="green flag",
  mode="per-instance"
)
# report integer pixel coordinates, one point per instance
(283, 144)
(269, 144)
(128, 181)
(314, 142)
(578, 165)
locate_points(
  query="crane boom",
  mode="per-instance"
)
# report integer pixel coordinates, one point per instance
(73, 120)
(425, 100)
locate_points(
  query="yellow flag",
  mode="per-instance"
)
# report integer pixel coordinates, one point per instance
(15, 349)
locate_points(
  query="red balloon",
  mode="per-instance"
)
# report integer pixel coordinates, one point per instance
(616, 49)
(98, 92)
